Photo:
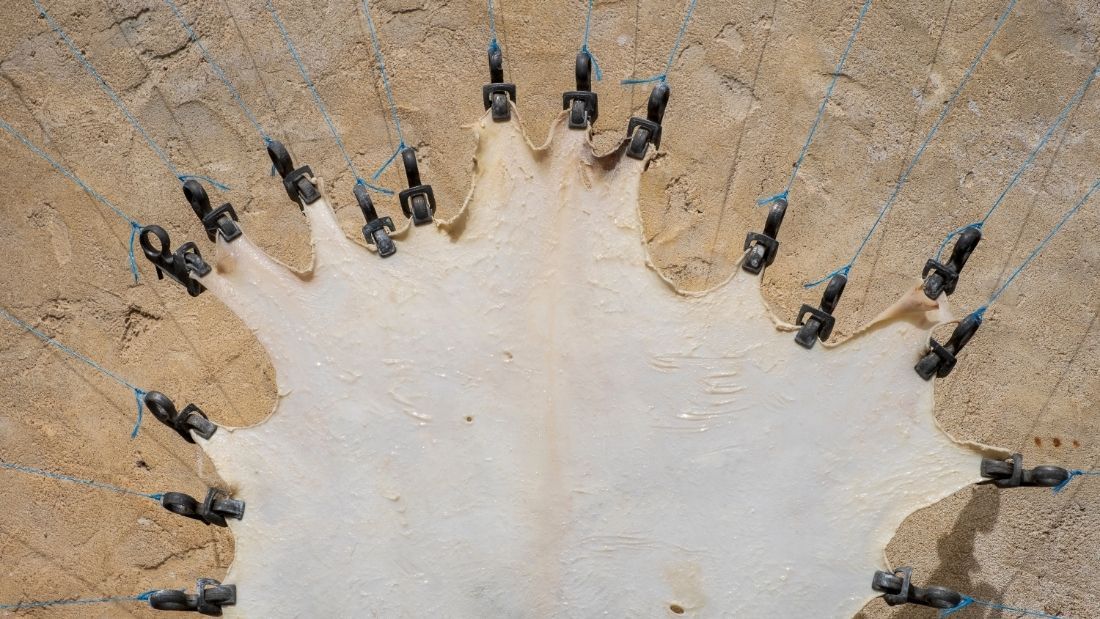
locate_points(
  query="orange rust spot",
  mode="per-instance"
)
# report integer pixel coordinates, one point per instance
(1057, 442)
(1076, 443)
(1038, 442)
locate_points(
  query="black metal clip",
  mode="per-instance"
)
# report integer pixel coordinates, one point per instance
(897, 589)
(582, 103)
(418, 201)
(763, 247)
(819, 324)
(222, 219)
(939, 277)
(178, 265)
(190, 419)
(645, 131)
(298, 182)
(496, 94)
(213, 510)
(375, 230)
(1012, 474)
(210, 596)
(941, 358)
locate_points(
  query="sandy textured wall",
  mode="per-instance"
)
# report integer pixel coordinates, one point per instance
(745, 88)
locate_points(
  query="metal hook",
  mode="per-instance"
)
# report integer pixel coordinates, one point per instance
(375, 230)
(1012, 474)
(942, 278)
(763, 247)
(495, 95)
(418, 201)
(190, 419)
(179, 265)
(298, 182)
(582, 103)
(210, 596)
(220, 220)
(819, 325)
(215, 508)
(897, 589)
(645, 131)
(941, 358)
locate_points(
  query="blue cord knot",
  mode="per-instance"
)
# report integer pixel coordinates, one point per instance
(375, 188)
(645, 80)
(139, 397)
(135, 229)
(966, 601)
(844, 270)
(782, 195)
(977, 225)
(220, 186)
(595, 62)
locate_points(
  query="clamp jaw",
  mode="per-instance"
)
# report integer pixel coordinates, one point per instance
(418, 201)
(1012, 474)
(941, 358)
(763, 247)
(645, 131)
(942, 278)
(582, 103)
(210, 596)
(221, 220)
(897, 589)
(495, 95)
(190, 419)
(817, 322)
(375, 230)
(178, 265)
(213, 510)
(299, 183)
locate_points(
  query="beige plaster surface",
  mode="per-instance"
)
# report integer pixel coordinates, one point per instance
(745, 86)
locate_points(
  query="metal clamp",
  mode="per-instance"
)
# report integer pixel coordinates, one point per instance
(1012, 474)
(213, 510)
(941, 358)
(645, 131)
(897, 589)
(298, 182)
(820, 321)
(375, 230)
(763, 247)
(179, 265)
(942, 278)
(190, 419)
(418, 201)
(210, 596)
(220, 220)
(582, 103)
(495, 95)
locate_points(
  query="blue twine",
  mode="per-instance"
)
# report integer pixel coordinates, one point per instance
(218, 70)
(319, 102)
(1058, 120)
(1038, 248)
(1075, 473)
(141, 597)
(947, 107)
(380, 59)
(584, 46)
(494, 44)
(30, 470)
(663, 76)
(138, 392)
(114, 97)
(967, 601)
(135, 227)
(782, 195)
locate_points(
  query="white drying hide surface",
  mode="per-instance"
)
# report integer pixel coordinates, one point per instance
(519, 418)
